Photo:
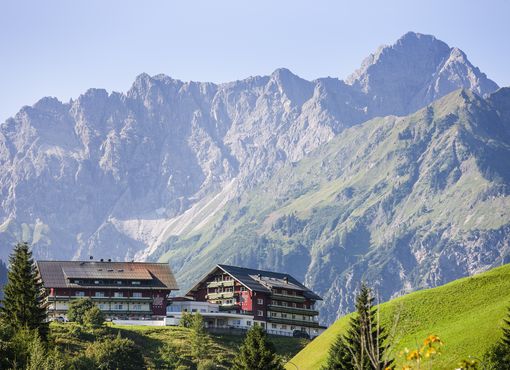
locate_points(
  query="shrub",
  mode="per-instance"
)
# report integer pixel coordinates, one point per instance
(186, 320)
(77, 309)
(93, 317)
(113, 354)
(206, 365)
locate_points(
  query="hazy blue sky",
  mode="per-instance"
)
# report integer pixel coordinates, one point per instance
(61, 48)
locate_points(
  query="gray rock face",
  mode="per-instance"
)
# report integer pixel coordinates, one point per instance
(415, 71)
(116, 175)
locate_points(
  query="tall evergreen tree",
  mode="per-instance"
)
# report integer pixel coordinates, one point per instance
(498, 356)
(257, 353)
(363, 346)
(3, 277)
(24, 302)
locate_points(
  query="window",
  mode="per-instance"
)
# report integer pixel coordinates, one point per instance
(79, 294)
(137, 307)
(137, 295)
(284, 304)
(284, 292)
(274, 326)
(305, 318)
(284, 315)
(203, 310)
(294, 305)
(118, 282)
(118, 306)
(193, 310)
(284, 327)
(260, 313)
(293, 316)
(135, 283)
(118, 294)
(260, 301)
(248, 322)
(96, 282)
(99, 294)
(101, 306)
(292, 327)
(273, 314)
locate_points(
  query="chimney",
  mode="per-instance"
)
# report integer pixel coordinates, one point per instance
(286, 279)
(109, 260)
(102, 260)
(91, 257)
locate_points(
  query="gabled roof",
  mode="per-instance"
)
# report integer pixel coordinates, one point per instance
(260, 280)
(56, 274)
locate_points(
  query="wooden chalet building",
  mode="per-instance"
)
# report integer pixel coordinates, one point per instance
(276, 301)
(134, 290)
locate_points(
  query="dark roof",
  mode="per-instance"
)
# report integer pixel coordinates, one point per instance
(56, 274)
(262, 281)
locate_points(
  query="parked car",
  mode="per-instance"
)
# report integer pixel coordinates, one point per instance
(300, 334)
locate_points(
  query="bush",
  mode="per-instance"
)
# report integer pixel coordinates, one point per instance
(206, 365)
(113, 354)
(77, 309)
(168, 357)
(93, 317)
(186, 320)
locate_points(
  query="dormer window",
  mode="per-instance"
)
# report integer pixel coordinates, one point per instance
(135, 283)
(119, 282)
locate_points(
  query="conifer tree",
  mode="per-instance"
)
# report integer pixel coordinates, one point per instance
(256, 352)
(498, 356)
(199, 338)
(24, 302)
(364, 345)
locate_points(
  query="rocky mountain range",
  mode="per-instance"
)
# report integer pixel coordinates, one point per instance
(275, 172)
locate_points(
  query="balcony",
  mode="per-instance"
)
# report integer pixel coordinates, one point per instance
(281, 320)
(223, 295)
(288, 298)
(292, 310)
(224, 283)
(230, 307)
(97, 298)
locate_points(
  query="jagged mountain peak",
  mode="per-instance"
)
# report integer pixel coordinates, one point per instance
(417, 68)
(424, 51)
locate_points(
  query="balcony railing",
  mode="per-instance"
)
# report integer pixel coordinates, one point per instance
(95, 297)
(281, 320)
(288, 298)
(224, 283)
(229, 307)
(222, 295)
(292, 310)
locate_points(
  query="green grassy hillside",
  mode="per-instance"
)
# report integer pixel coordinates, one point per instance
(72, 340)
(466, 314)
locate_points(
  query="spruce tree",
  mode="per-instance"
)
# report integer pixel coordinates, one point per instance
(498, 356)
(256, 352)
(24, 302)
(363, 346)
(199, 339)
(505, 339)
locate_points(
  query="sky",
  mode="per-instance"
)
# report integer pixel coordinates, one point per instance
(62, 48)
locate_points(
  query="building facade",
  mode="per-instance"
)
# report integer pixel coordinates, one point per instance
(122, 290)
(213, 316)
(275, 301)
